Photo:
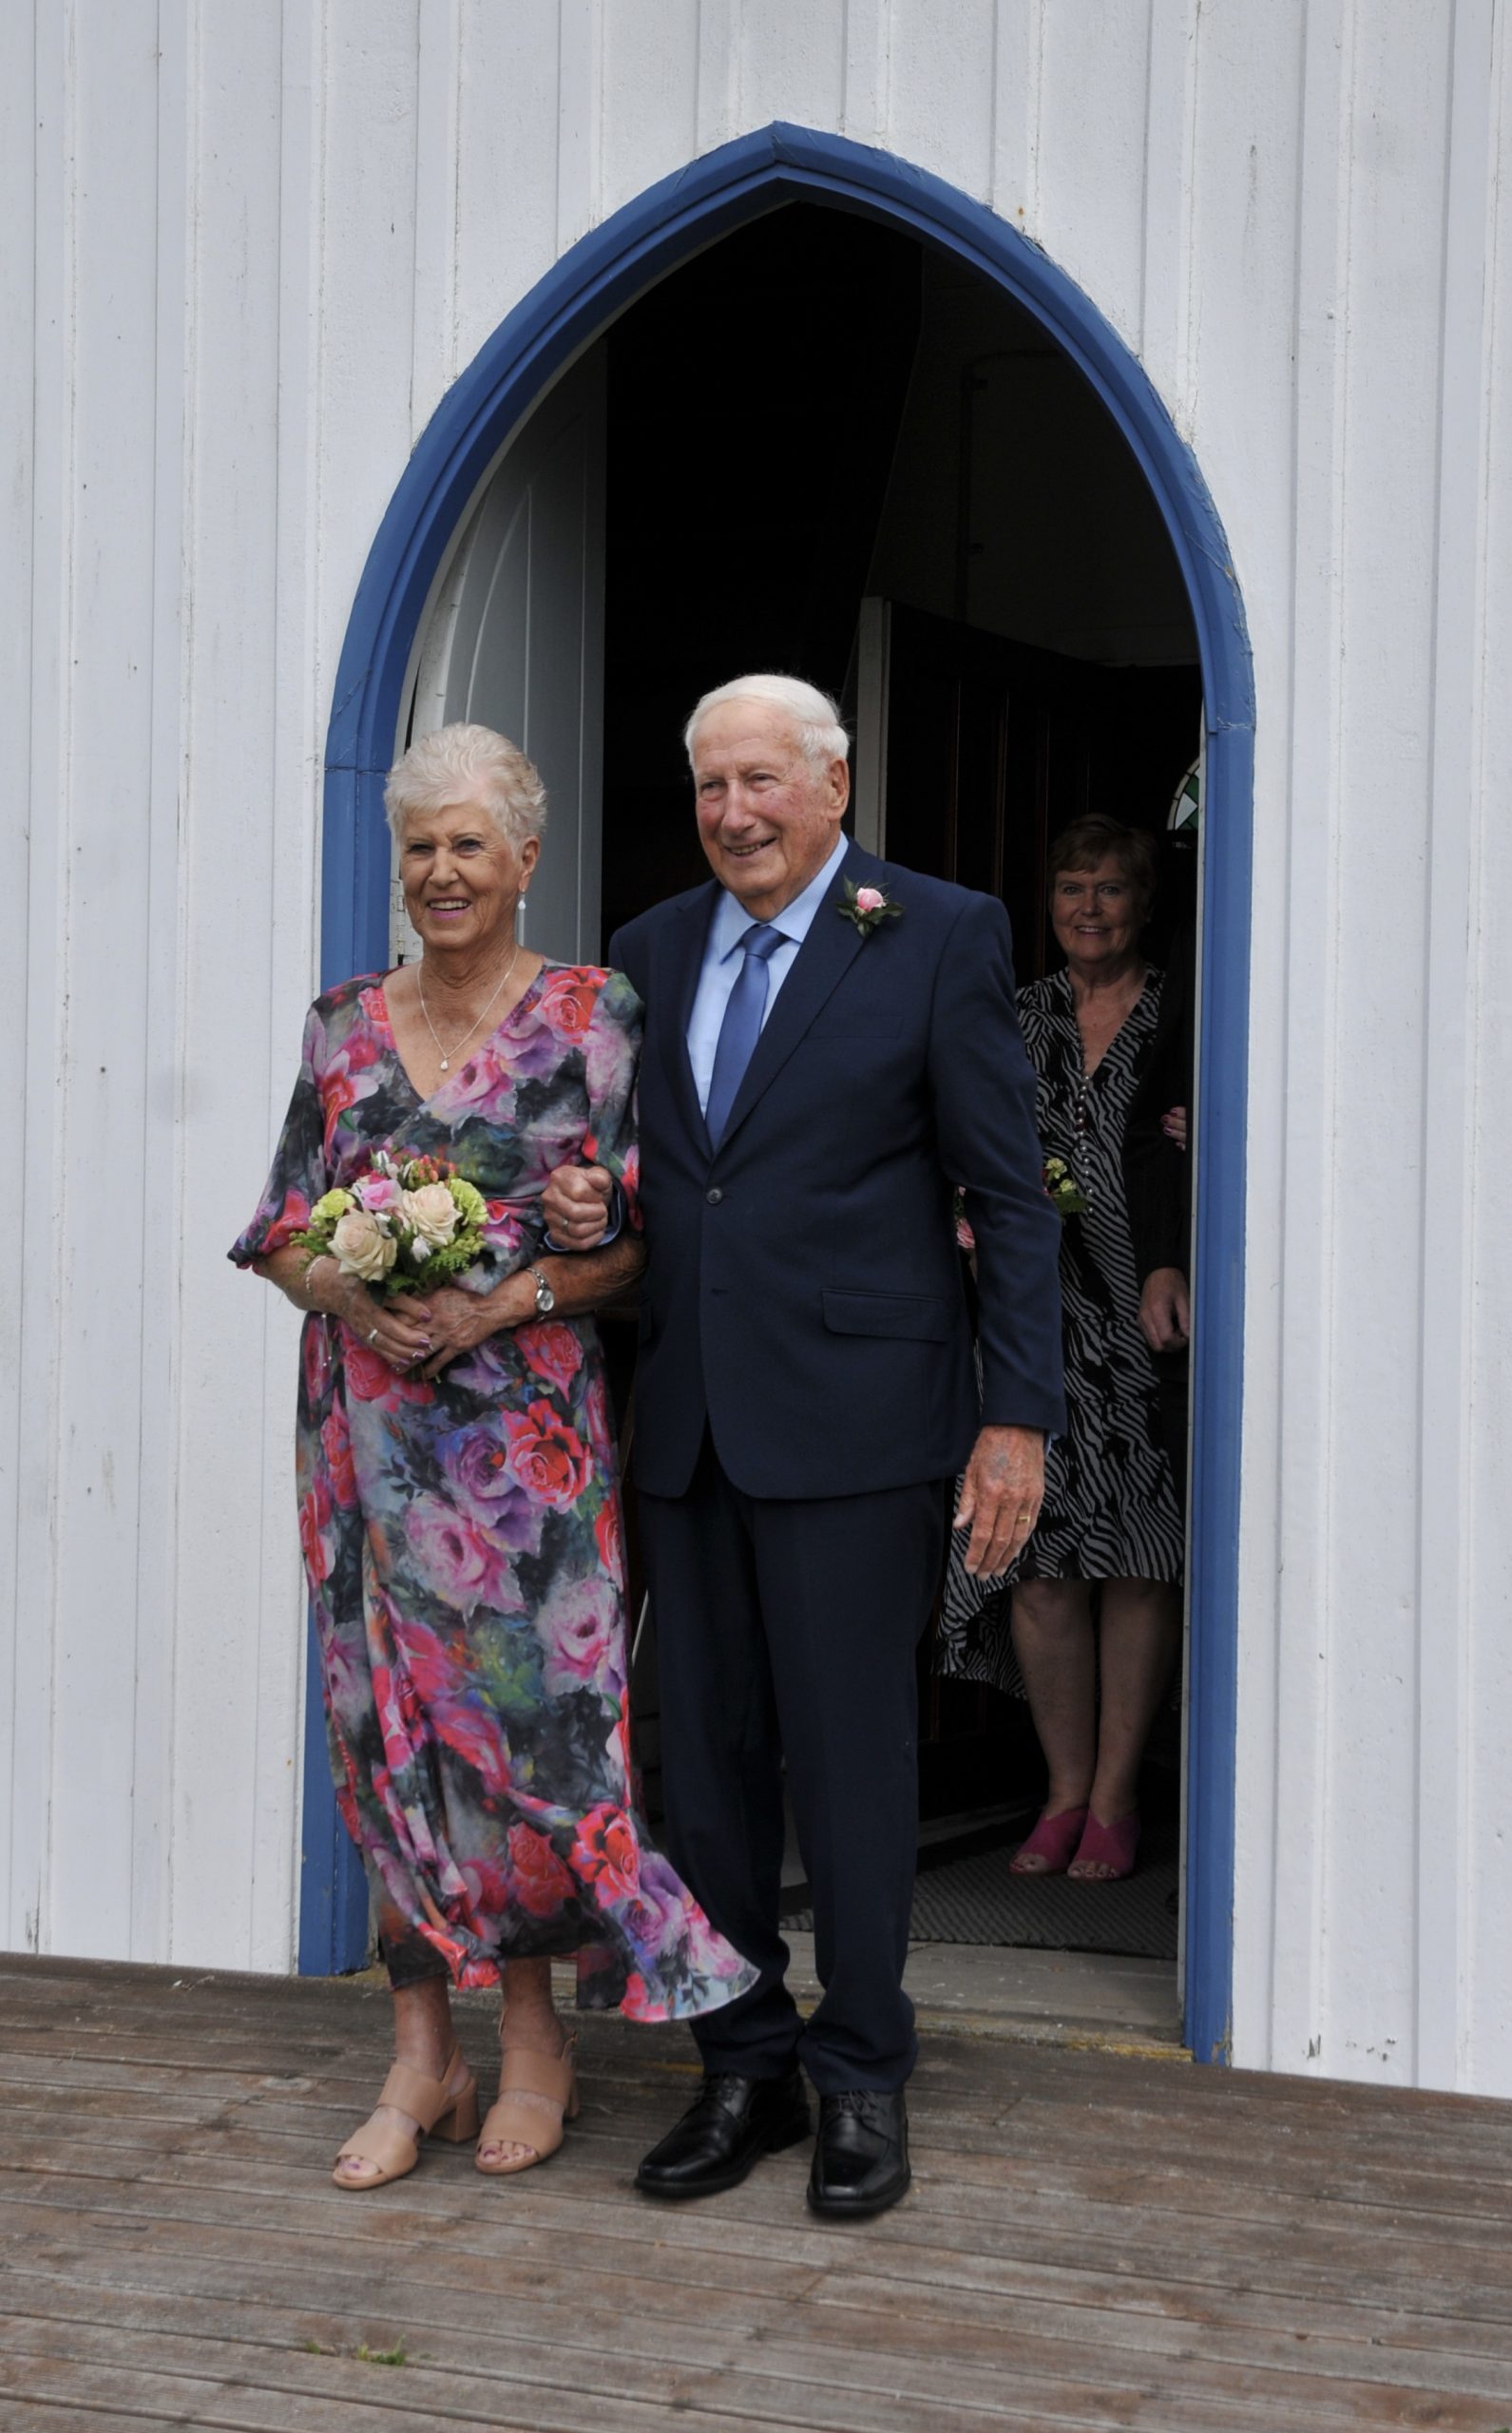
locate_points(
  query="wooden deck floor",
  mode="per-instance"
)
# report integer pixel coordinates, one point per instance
(1091, 2242)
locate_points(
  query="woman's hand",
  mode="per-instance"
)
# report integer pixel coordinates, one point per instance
(1166, 1311)
(399, 1331)
(1173, 1124)
(459, 1321)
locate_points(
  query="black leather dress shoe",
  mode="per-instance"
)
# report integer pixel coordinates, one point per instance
(861, 2155)
(731, 2125)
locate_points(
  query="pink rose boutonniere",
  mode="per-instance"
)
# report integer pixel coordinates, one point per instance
(867, 908)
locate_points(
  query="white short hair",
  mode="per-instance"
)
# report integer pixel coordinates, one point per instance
(453, 761)
(812, 716)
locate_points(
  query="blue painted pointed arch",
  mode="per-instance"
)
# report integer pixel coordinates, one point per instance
(581, 292)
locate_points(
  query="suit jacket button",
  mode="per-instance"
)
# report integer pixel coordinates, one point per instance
(713, 1197)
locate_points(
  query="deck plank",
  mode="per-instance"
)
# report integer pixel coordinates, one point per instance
(1093, 2241)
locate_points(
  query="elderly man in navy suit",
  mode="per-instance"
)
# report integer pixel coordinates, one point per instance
(831, 1045)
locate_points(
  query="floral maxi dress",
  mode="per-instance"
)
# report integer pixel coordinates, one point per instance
(462, 1536)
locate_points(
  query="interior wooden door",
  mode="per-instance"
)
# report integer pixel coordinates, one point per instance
(514, 640)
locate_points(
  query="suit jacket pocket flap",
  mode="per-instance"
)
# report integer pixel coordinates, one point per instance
(921, 1317)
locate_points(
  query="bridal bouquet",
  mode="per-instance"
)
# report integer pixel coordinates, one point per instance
(1061, 1189)
(1065, 1194)
(401, 1226)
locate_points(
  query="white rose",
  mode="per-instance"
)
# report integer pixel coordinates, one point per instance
(362, 1248)
(433, 1213)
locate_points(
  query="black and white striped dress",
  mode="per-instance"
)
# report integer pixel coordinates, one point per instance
(1110, 1510)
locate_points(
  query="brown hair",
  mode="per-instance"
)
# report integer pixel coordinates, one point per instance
(1095, 838)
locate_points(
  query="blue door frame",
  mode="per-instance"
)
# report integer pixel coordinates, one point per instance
(581, 292)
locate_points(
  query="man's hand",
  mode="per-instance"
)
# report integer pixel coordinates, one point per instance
(1165, 1309)
(575, 1205)
(1001, 1496)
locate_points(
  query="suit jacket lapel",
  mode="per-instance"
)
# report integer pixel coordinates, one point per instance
(823, 959)
(681, 961)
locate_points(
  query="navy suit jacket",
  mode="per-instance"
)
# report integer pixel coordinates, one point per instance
(803, 1295)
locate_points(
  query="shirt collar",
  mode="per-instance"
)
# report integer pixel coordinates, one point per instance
(731, 920)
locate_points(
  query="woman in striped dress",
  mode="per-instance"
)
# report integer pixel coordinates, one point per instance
(1110, 1519)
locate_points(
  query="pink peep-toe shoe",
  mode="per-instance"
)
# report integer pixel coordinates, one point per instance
(1055, 1840)
(1110, 1846)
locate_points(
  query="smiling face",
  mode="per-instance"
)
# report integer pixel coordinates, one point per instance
(462, 878)
(1096, 916)
(768, 820)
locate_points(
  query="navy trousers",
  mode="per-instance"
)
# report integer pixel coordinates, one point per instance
(789, 1630)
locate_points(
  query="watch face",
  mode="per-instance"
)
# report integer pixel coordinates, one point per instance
(545, 1301)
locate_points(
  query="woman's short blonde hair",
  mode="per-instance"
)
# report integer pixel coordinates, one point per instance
(455, 762)
(1095, 838)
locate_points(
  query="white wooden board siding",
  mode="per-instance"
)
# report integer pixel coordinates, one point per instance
(255, 246)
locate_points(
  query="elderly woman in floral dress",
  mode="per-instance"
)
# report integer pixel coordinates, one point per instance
(458, 1503)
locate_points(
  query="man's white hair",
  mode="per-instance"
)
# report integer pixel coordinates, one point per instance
(812, 716)
(451, 763)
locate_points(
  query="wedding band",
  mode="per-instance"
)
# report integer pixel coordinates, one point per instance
(374, 1335)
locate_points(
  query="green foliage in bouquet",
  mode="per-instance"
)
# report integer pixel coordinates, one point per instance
(403, 1226)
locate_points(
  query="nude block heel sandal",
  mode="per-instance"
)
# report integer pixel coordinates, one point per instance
(440, 2114)
(510, 2122)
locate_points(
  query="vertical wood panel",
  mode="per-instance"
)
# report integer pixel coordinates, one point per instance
(718, 62)
(235, 1706)
(1464, 1603)
(1017, 63)
(580, 73)
(163, 1201)
(1093, 88)
(866, 70)
(1265, 360)
(792, 63)
(940, 88)
(650, 121)
(112, 813)
(1170, 264)
(507, 174)
(37, 509)
(1485, 2056)
(1385, 837)
(437, 102)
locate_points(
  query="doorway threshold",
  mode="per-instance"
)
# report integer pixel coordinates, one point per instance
(1082, 2000)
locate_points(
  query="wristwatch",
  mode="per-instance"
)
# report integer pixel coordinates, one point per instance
(545, 1301)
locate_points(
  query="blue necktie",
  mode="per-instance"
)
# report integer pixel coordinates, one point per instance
(741, 1026)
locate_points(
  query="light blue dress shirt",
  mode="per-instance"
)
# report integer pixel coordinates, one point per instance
(721, 963)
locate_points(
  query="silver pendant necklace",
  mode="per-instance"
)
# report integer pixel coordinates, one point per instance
(445, 1054)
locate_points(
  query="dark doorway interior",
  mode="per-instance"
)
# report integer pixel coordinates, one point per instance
(755, 399)
(814, 411)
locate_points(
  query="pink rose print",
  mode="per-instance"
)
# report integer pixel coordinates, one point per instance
(337, 1440)
(567, 1002)
(456, 1560)
(546, 1456)
(371, 1379)
(553, 1349)
(542, 1883)
(314, 1511)
(609, 1531)
(606, 1854)
(581, 1633)
(316, 1353)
